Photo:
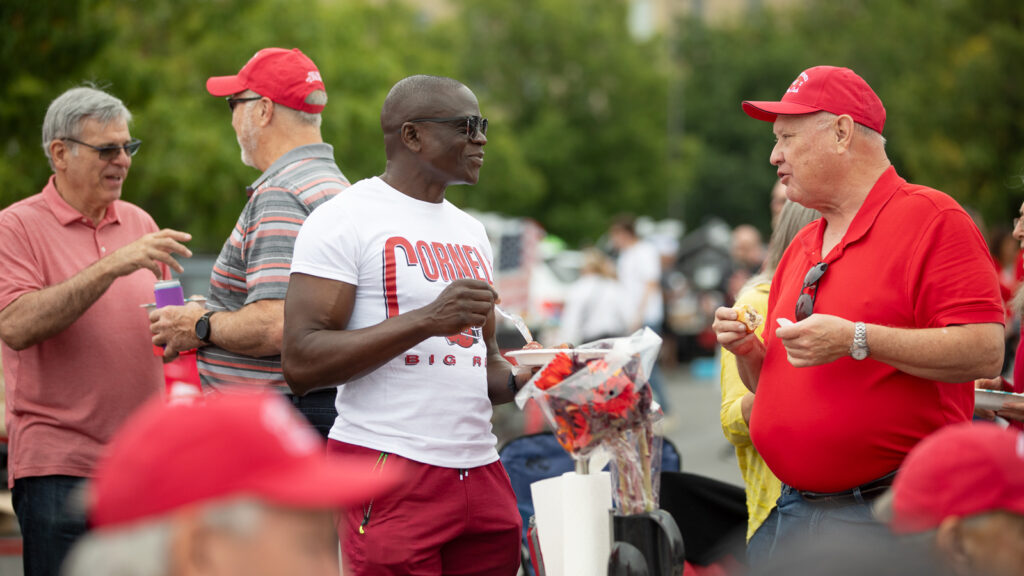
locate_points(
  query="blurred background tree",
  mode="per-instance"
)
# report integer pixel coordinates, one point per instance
(587, 119)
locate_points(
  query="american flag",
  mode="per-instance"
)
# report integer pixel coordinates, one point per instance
(516, 251)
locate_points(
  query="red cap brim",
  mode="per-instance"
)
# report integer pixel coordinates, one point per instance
(767, 111)
(224, 85)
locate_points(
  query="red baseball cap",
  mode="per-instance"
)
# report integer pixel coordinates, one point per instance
(829, 89)
(168, 457)
(285, 76)
(961, 470)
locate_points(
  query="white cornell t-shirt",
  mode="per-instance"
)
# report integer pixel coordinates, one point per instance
(430, 403)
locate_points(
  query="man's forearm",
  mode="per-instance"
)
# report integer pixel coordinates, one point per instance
(323, 358)
(749, 367)
(38, 316)
(951, 354)
(253, 330)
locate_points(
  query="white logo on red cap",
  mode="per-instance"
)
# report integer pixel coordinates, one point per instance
(313, 76)
(795, 86)
(1020, 445)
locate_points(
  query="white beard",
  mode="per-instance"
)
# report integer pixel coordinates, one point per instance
(247, 139)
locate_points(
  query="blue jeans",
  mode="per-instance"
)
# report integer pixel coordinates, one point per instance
(759, 548)
(48, 526)
(318, 408)
(800, 521)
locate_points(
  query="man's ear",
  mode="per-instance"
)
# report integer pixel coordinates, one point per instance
(843, 129)
(59, 151)
(190, 545)
(949, 541)
(411, 137)
(265, 111)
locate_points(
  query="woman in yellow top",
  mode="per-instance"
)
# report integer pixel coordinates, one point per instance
(763, 487)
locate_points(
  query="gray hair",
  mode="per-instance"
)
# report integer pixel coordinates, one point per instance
(143, 549)
(316, 98)
(68, 111)
(828, 117)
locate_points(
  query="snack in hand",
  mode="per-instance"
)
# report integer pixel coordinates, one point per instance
(749, 316)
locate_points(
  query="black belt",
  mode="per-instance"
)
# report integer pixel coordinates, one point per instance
(867, 492)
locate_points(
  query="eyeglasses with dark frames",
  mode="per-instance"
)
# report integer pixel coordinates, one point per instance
(232, 101)
(474, 125)
(805, 303)
(112, 151)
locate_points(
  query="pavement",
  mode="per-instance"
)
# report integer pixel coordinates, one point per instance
(693, 423)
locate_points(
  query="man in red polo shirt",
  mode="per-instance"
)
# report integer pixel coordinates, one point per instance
(77, 263)
(881, 315)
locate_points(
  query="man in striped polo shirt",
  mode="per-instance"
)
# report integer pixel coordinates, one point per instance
(275, 101)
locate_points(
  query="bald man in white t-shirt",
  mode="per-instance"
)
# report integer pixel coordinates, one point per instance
(390, 301)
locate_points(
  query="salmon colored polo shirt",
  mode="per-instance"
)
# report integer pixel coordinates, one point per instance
(67, 395)
(912, 258)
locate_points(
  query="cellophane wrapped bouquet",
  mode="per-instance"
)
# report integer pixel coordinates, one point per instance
(597, 396)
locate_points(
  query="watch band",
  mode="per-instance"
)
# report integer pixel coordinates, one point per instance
(859, 349)
(204, 329)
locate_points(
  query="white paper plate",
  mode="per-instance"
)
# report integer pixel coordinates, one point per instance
(541, 356)
(994, 399)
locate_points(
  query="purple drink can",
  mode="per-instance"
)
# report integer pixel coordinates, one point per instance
(169, 293)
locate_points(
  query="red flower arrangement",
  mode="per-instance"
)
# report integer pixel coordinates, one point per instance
(607, 402)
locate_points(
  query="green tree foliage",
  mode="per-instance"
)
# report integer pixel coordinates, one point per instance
(43, 43)
(946, 71)
(585, 120)
(584, 103)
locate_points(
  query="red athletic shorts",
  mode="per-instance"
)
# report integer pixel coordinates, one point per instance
(440, 521)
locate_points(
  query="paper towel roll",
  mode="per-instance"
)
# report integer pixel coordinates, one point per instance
(547, 508)
(572, 523)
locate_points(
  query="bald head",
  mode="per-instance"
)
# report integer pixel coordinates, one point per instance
(419, 96)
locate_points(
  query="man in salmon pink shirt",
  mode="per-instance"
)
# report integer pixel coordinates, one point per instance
(78, 262)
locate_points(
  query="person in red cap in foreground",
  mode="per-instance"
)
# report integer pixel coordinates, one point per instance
(234, 485)
(881, 315)
(961, 492)
(276, 102)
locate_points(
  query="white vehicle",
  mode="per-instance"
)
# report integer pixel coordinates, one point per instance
(532, 272)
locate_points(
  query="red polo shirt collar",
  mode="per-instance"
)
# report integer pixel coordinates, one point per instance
(883, 190)
(67, 214)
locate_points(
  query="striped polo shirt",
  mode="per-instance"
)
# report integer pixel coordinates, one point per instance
(256, 259)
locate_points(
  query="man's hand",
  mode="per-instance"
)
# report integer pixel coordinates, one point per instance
(150, 251)
(732, 334)
(1010, 410)
(816, 340)
(173, 327)
(462, 305)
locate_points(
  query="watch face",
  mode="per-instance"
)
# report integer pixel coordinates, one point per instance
(859, 353)
(203, 328)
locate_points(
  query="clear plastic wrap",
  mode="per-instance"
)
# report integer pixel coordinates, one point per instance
(606, 402)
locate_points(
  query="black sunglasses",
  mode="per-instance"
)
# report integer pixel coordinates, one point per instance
(110, 152)
(474, 125)
(805, 303)
(232, 101)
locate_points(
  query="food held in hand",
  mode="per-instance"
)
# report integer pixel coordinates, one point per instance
(749, 316)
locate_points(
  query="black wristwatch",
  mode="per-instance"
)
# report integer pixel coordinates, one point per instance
(203, 327)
